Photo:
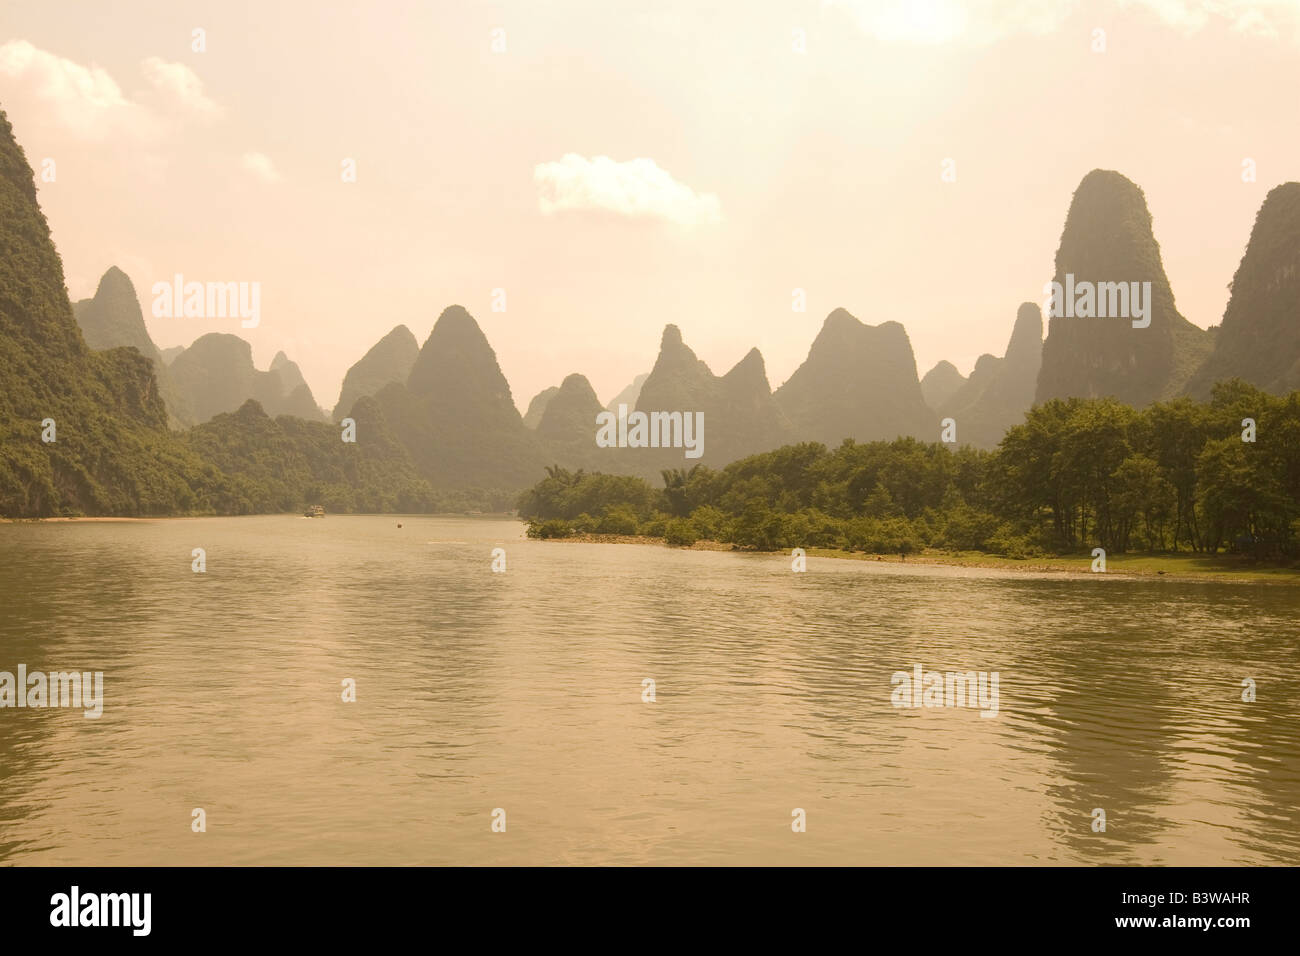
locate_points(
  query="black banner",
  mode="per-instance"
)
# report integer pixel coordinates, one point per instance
(944, 906)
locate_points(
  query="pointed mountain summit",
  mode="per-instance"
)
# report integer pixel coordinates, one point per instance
(570, 415)
(295, 393)
(455, 413)
(740, 416)
(749, 376)
(566, 427)
(1259, 340)
(537, 407)
(1000, 390)
(457, 366)
(113, 319)
(747, 400)
(1026, 346)
(1108, 239)
(389, 360)
(679, 380)
(941, 383)
(859, 381)
(290, 375)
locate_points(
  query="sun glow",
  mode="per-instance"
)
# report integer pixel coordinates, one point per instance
(912, 21)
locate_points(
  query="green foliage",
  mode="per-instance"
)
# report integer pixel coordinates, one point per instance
(710, 523)
(1075, 474)
(285, 464)
(113, 454)
(967, 528)
(566, 494)
(551, 528)
(620, 520)
(679, 533)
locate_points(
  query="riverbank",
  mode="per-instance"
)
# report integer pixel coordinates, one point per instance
(98, 519)
(61, 520)
(1180, 567)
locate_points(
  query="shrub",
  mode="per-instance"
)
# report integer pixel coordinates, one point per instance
(621, 520)
(1007, 542)
(680, 533)
(710, 523)
(655, 526)
(551, 528)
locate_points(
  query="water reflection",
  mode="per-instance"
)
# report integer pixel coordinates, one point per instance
(523, 690)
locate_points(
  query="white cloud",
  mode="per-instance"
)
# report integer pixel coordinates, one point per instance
(87, 103)
(260, 165)
(84, 100)
(179, 85)
(637, 188)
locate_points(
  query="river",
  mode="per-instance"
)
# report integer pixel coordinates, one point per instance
(525, 691)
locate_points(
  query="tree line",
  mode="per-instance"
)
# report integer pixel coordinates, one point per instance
(1182, 475)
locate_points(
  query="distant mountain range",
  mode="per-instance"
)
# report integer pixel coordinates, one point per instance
(441, 417)
(214, 375)
(85, 430)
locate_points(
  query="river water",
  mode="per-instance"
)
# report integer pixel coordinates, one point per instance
(524, 692)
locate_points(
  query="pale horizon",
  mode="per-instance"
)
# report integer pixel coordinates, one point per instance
(694, 170)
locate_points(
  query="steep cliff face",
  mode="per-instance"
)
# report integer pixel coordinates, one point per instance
(537, 407)
(859, 381)
(1259, 340)
(388, 360)
(111, 451)
(1107, 245)
(113, 317)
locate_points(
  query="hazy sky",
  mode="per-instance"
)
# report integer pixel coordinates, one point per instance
(623, 165)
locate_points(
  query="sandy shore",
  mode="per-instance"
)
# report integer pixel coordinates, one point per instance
(63, 520)
(283, 514)
(1179, 567)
